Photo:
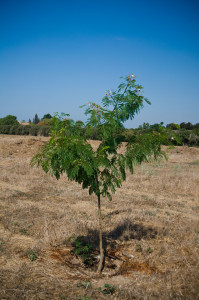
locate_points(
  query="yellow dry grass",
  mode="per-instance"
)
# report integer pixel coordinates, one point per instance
(151, 229)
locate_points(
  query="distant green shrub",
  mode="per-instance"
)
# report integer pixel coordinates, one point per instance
(5, 129)
(45, 122)
(193, 139)
(9, 120)
(173, 126)
(13, 129)
(34, 130)
(187, 126)
(184, 136)
(196, 131)
(44, 130)
(26, 129)
(19, 130)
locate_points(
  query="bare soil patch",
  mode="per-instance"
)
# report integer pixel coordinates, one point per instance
(151, 230)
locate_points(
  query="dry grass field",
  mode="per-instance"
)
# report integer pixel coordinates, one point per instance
(151, 230)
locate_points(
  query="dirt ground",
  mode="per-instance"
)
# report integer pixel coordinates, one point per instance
(151, 230)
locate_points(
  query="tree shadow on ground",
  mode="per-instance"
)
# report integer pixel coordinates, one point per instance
(125, 231)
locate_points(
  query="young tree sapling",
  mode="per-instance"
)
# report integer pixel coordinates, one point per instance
(101, 171)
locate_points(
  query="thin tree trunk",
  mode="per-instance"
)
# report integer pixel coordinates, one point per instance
(100, 266)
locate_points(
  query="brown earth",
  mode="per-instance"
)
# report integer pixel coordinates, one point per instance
(151, 230)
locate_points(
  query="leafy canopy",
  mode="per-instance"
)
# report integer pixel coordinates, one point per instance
(36, 119)
(47, 116)
(9, 120)
(103, 170)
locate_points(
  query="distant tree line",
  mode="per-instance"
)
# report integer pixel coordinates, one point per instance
(175, 134)
(36, 120)
(25, 130)
(10, 125)
(173, 126)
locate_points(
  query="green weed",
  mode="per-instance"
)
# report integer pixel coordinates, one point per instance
(149, 250)
(108, 289)
(32, 255)
(84, 250)
(23, 231)
(86, 284)
(138, 248)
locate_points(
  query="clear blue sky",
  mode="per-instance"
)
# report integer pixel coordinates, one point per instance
(58, 55)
